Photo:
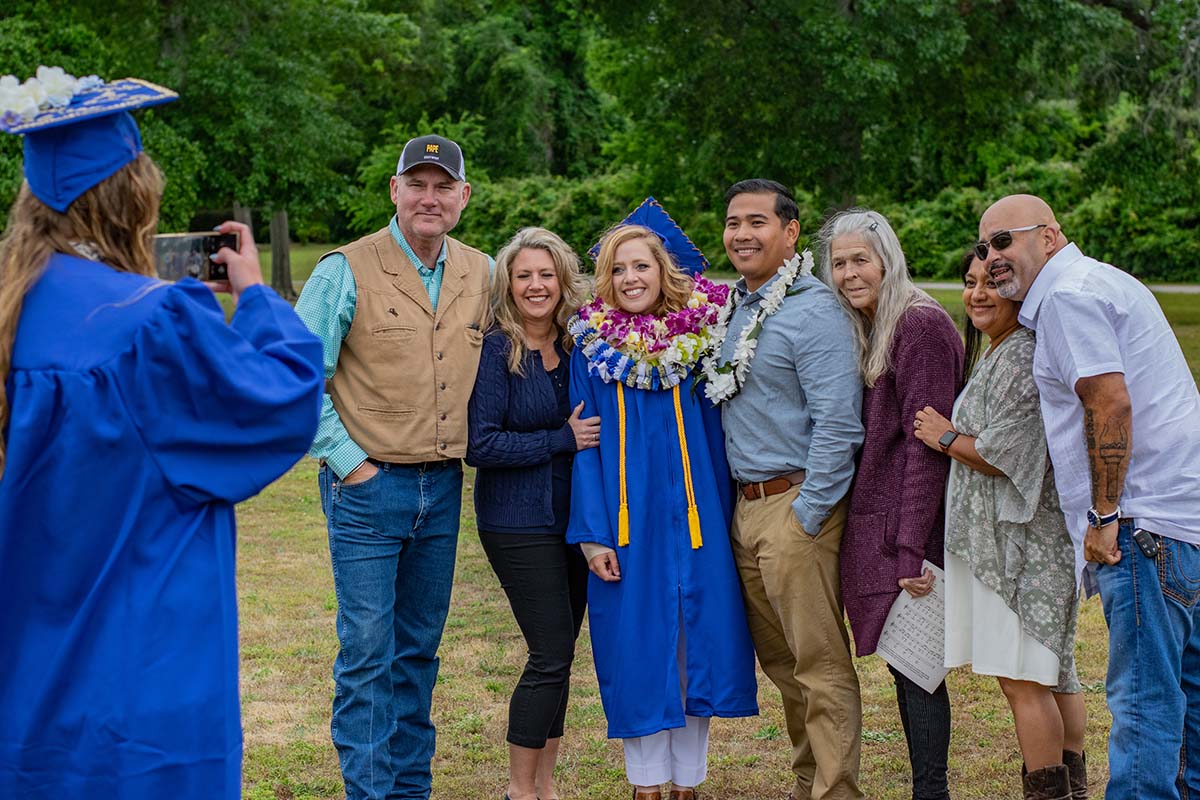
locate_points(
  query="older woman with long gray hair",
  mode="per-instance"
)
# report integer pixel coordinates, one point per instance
(911, 357)
(522, 437)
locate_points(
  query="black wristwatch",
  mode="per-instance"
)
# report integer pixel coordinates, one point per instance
(947, 439)
(1098, 520)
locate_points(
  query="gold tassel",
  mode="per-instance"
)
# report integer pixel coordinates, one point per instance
(694, 527)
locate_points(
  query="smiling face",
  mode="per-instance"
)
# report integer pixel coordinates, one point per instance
(857, 272)
(1015, 267)
(757, 241)
(533, 283)
(988, 310)
(428, 202)
(636, 277)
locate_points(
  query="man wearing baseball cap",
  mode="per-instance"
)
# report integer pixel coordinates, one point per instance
(400, 313)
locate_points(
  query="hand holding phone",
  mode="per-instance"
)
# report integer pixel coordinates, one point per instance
(226, 260)
(241, 262)
(190, 255)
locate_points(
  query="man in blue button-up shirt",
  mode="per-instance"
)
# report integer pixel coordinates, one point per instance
(791, 433)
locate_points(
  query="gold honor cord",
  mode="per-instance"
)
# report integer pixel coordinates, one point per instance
(623, 513)
(693, 513)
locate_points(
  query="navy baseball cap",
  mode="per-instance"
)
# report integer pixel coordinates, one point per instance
(436, 150)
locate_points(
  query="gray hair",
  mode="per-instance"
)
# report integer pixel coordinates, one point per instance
(897, 292)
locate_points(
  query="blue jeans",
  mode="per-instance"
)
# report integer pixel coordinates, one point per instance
(392, 541)
(1153, 670)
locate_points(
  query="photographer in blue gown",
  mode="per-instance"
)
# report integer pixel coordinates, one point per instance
(132, 419)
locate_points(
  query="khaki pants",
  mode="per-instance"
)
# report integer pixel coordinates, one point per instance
(792, 591)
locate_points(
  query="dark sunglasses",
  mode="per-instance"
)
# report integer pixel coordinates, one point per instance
(1001, 240)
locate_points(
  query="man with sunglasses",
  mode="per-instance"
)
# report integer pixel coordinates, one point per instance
(1122, 418)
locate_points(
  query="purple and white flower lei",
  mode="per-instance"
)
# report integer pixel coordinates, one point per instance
(644, 351)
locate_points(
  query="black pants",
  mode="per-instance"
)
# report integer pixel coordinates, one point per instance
(546, 583)
(926, 721)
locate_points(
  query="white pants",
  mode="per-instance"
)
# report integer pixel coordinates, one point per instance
(679, 755)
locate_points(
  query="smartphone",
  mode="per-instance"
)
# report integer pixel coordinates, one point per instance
(1146, 543)
(186, 255)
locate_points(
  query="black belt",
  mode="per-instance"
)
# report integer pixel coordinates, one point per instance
(423, 465)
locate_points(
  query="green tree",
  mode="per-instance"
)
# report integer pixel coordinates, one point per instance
(846, 98)
(521, 68)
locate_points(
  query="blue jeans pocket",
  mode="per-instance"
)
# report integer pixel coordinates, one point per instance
(1179, 571)
(361, 486)
(359, 507)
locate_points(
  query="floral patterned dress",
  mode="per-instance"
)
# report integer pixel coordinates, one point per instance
(1011, 591)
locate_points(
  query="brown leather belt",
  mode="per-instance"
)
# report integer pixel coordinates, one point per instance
(777, 485)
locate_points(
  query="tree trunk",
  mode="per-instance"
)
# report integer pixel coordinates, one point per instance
(281, 258)
(244, 215)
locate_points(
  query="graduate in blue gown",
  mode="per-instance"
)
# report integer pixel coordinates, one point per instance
(651, 508)
(132, 417)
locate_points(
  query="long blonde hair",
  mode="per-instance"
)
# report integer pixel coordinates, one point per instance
(116, 218)
(897, 292)
(677, 285)
(571, 283)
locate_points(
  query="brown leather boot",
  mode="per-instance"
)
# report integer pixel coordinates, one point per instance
(655, 795)
(1047, 783)
(684, 794)
(1077, 768)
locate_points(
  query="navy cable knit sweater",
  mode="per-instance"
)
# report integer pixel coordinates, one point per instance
(515, 428)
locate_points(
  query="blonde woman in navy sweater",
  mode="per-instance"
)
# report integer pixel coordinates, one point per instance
(522, 436)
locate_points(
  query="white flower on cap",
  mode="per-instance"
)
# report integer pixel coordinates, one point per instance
(52, 87)
(33, 87)
(16, 101)
(58, 86)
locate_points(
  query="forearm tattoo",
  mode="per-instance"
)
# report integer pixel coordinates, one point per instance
(1089, 433)
(1108, 455)
(1114, 452)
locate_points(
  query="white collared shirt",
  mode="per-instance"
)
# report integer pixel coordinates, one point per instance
(1091, 318)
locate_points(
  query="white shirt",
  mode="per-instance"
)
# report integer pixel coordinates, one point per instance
(1092, 318)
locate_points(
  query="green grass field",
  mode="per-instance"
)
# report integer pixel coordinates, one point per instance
(288, 645)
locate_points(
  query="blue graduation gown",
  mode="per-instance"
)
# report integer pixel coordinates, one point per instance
(634, 623)
(138, 418)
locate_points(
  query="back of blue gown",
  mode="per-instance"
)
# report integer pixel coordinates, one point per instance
(138, 418)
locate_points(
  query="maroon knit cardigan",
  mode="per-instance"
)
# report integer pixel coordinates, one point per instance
(896, 500)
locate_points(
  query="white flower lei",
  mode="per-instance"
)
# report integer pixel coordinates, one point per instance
(723, 380)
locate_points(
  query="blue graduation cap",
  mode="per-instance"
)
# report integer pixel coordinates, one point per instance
(650, 214)
(72, 147)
